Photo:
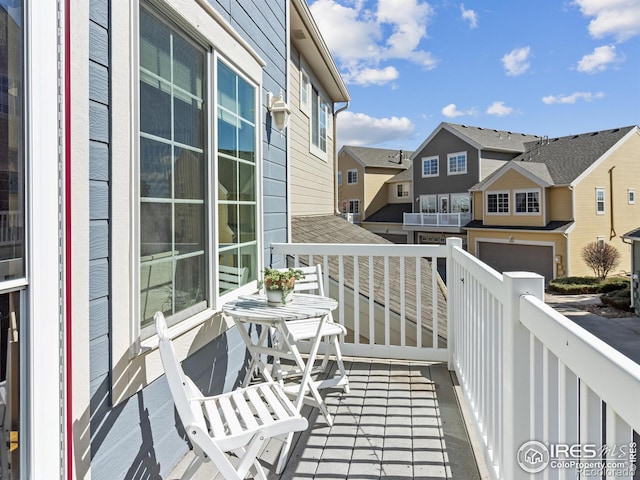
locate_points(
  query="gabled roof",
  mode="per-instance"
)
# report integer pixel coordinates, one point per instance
(633, 235)
(567, 158)
(484, 138)
(563, 160)
(404, 176)
(378, 157)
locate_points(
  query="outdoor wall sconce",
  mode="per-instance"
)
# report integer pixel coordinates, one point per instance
(279, 111)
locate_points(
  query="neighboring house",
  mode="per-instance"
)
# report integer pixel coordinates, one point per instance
(634, 238)
(445, 166)
(315, 85)
(362, 176)
(387, 222)
(538, 211)
(144, 171)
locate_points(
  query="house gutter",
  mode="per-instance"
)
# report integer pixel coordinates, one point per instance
(335, 158)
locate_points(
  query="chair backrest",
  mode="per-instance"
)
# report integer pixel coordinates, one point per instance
(232, 277)
(184, 392)
(312, 280)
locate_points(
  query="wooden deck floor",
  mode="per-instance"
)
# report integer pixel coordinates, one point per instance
(401, 420)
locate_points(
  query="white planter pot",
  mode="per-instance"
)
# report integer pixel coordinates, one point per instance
(275, 297)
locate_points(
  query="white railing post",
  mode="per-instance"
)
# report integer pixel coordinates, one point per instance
(516, 394)
(451, 243)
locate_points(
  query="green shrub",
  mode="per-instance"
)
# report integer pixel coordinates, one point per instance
(580, 285)
(620, 299)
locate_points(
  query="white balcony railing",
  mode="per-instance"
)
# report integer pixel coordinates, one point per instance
(436, 219)
(526, 372)
(351, 217)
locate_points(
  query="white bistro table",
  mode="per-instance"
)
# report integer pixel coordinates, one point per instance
(256, 310)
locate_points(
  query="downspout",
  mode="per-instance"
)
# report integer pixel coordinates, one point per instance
(335, 158)
(612, 233)
(67, 240)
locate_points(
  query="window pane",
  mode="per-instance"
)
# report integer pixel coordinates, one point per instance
(246, 101)
(247, 142)
(227, 224)
(247, 182)
(12, 189)
(521, 202)
(172, 177)
(226, 88)
(249, 261)
(247, 223)
(227, 179)
(227, 133)
(315, 129)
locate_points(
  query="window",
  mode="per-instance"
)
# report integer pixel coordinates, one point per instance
(428, 204)
(631, 196)
(305, 92)
(457, 163)
(339, 177)
(354, 206)
(179, 263)
(352, 177)
(460, 203)
(527, 201)
(600, 201)
(600, 241)
(319, 115)
(402, 190)
(498, 202)
(430, 167)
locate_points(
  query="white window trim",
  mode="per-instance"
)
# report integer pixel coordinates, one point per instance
(604, 201)
(356, 201)
(436, 158)
(631, 196)
(528, 190)
(497, 192)
(466, 163)
(129, 356)
(351, 170)
(314, 150)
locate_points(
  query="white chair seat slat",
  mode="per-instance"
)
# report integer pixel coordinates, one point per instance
(246, 416)
(215, 421)
(265, 415)
(307, 329)
(230, 416)
(275, 401)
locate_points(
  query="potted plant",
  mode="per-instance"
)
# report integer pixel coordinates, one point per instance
(279, 284)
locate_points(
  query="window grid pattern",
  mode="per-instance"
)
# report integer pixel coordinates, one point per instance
(527, 202)
(352, 177)
(600, 200)
(430, 167)
(457, 163)
(498, 203)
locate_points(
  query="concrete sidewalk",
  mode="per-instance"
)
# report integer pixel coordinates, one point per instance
(622, 333)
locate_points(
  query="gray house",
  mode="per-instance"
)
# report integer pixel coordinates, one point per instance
(451, 160)
(142, 159)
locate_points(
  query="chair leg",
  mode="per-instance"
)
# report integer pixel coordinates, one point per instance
(343, 372)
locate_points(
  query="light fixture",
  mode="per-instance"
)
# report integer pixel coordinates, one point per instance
(279, 111)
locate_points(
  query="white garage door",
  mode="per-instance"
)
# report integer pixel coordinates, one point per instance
(508, 257)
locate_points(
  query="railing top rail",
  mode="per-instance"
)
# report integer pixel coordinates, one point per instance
(605, 370)
(358, 249)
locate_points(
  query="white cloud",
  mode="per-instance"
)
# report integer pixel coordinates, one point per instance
(361, 129)
(499, 108)
(599, 60)
(361, 39)
(618, 18)
(451, 111)
(372, 76)
(516, 62)
(573, 98)
(470, 16)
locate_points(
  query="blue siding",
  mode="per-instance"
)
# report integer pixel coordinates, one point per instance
(142, 437)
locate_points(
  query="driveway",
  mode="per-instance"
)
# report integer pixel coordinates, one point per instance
(622, 333)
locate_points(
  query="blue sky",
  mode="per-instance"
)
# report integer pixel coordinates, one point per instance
(544, 67)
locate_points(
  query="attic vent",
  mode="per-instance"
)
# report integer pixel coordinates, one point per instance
(298, 34)
(575, 136)
(615, 130)
(594, 133)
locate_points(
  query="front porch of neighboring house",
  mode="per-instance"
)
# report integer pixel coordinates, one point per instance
(419, 350)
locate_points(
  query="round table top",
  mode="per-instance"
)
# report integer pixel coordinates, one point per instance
(256, 308)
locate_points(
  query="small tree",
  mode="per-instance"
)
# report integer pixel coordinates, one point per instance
(601, 258)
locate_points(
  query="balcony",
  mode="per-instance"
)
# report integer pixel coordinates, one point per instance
(436, 222)
(486, 345)
(351, 217)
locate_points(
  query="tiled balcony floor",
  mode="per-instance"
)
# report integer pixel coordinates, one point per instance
(401, 420)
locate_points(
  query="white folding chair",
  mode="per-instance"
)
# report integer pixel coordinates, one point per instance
(237, 422)
(306, 330)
